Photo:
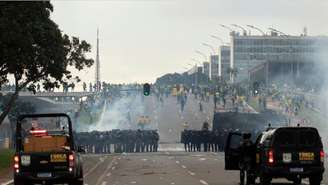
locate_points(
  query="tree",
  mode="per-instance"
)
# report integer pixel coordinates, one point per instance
(34, 50)
(18, 108)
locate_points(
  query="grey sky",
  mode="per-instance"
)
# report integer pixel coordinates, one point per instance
(143, 39)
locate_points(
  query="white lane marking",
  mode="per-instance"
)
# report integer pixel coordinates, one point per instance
(113, 168)
(108, 174)
(104, 183)
(92, 169)
(203, 182)
(183, 166)
(172, 183)
(202, 159)
(198, 155)
(7, 183)
(191, 173)
(110, 165)
(133, 182)
(178, 162)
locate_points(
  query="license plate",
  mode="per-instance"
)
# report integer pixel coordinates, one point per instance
(287, 157)
(296, 169)
(306, 156)
(44, 175)
(58, 158)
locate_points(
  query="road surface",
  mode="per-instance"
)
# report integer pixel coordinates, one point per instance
(163, 168)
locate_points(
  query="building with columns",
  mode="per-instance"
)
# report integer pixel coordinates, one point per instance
(214, 67)
(274, 57)
(224, 60)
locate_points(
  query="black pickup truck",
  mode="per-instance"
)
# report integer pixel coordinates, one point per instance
(45, 151)
(293, 153)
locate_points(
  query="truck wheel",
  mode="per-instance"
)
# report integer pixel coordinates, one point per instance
(315, 180)
(265, 180)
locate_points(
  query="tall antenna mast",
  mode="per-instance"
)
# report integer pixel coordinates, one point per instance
(97, 64)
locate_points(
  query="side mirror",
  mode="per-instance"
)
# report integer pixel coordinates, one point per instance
(80, 149)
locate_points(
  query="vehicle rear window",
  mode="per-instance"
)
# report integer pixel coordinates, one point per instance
(308, 138)
(44, 134)
(286, 138)
(235, 141)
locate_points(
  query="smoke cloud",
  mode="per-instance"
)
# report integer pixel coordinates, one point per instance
(121, 113)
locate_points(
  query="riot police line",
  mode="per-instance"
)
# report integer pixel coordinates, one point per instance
(118, 141)
(203, 140)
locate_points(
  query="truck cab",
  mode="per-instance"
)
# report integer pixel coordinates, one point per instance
(45, 151)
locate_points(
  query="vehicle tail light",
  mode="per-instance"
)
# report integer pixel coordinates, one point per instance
(39, 133)
(71, 159)
(16, 164)
(270, 157)
(16, 159)
(322, 156)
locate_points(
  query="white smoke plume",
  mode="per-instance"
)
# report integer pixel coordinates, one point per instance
(121, 113)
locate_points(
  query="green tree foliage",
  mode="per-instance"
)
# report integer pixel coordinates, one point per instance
(18, 108)
(34, 50)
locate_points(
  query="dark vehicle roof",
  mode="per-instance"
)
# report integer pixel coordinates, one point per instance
(272, 131)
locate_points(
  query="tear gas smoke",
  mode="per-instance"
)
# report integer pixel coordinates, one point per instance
(121, 113)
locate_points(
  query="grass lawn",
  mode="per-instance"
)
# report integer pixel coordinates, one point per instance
(6, 158)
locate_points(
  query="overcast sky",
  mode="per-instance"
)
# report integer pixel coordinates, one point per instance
(143, 39)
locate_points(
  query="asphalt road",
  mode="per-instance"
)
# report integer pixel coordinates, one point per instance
(163, 168)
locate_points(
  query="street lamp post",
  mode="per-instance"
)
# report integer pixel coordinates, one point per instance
(196, 70)
(226, 27)
(256, 28)
(240, 27)
(219, 61)
(203, 55)
(218, 38)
